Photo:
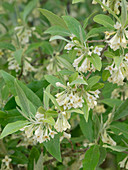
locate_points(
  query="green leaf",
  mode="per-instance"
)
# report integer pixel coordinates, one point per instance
(92, 81)
(120, 128)
(50, 121)
(103, 155)
(122, 111)
(9, 80)
(76, 1)
(91, 158)
(57, 30)
(53, 147)
(73, 77)
(65, 63)
(39, 164)
(53, 100)
(33, 157)
(79, 81)
(123, 12)
(108, 9)
(76, 111)
(13, 127)
(87, 19)
(54, 19)
(86, 111)
(75, 27)
(112, 102)
(8, 46)
(52, 80)
(58, 37)
(86, 128)
(96, 61)
(116, 148)
(66, 72)
(46, 98)
(104, 20)
(18, 55)
(51, 113)
(97, 86)
(109, 54)
(28, 8)
(105, 75)
(118, 61)
(22, 98)
(94, 32)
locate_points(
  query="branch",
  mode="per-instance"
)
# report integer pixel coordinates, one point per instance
(96, 41)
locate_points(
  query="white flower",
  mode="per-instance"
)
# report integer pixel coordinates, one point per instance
(28, 68)
(39, 116)
(13, 65)
(117, 25)
(126, 165)
(69, 46)
(90, 53)
(126, 57)
(98, 50)
(61, 123)
(122, 163)
(71, 98)
(94, 2)
(77, 61)
(95, 93)
(29, 130)
(58, 84)
(85, 66)
(52, 133)
(65, 135)
(107, 139)
(46, 135)
(7, 160)
(110, 68)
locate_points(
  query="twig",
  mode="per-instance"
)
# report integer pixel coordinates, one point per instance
(88, 74)
(93, 41)
(104, 49)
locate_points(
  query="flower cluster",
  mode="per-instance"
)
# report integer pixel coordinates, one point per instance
(121, 93)
(119, 38)
(84, 52)
(24, 34)
(91, 97)
(118, 74)
(38, 129)
(70, 97)
(27, 67)
(114, 5)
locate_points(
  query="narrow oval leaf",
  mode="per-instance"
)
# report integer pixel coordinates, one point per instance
(75, 27)
(53, 147)
(13, 127)
(104, 20)
(96, 61)
(54, 19)
(91, 158)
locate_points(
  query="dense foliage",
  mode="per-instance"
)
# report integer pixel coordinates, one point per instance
(63, 84)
